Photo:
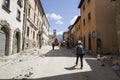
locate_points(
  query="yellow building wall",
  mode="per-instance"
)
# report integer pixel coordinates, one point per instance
(102, 22)
(90, 25)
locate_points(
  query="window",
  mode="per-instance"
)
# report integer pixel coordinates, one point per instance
(18, 15)
(33, 34)
(37, 37)
(28, 31)
(79, 27)
(29, 11)
(84, 42)
(89, 16)
(37, 22)
(113, 0)
(88, 1)
(27, 45)
(34, 17)
(20, 3)
(6, 5)
(35, 5)
(84, 22)
(84, 8)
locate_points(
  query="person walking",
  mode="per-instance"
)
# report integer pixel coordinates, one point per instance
(79, 53)
(53, 45)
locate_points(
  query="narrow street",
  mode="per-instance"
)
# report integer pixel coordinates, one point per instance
(46, 64)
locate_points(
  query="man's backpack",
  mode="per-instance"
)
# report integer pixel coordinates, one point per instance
(80, 50)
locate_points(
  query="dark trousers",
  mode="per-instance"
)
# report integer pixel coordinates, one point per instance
(81, 59)
(53, 46)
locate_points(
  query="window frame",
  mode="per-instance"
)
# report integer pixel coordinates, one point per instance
(5, 6)
(20, 3)
(28, 29)
(29, 10)
(34, 17)
(83, 8)
(88, 1)
(33, 34)
(89, 16)
(84, 22)
(18, 15)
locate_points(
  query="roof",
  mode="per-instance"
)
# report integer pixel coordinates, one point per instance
(77, 20)
(70, 27)
(80, 4)
(42, 12)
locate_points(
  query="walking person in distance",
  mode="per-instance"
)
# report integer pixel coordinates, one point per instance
(79, 53)
(53, 45)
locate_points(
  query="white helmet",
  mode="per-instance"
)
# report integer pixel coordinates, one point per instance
(79, 41)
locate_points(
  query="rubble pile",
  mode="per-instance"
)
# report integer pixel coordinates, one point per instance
(113, 61)
(33, 52)
(110, 59)
(24, 74)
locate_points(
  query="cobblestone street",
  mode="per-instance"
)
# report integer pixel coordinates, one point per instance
(46, 64)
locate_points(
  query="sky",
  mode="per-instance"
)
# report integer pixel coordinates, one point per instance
(60, 13)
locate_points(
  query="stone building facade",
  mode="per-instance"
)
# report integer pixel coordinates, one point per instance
(72, 35)
(98, 26)
(45, 28)
(75, 32)
(65, 36)
(78, 30)
(34, 25)
(11, 20)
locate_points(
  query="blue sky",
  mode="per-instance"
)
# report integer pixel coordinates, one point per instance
(60, 13)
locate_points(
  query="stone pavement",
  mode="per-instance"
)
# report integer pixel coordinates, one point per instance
(46, 64)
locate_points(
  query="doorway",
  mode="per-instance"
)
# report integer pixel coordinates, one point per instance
(89, 42)
(16, 42)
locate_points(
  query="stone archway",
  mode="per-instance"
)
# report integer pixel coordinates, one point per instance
(4, 37)
(16, 41)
